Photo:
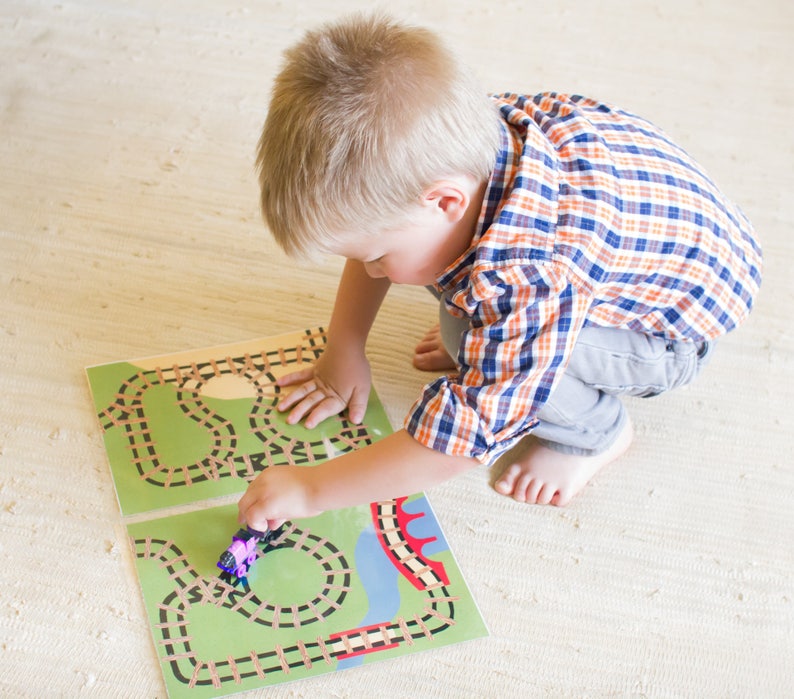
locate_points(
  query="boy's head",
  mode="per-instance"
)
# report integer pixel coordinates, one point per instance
(366, 114)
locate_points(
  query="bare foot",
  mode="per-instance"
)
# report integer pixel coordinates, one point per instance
(543, 476)
(430, 354)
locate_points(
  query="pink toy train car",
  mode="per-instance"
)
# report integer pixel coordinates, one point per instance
(236, 561)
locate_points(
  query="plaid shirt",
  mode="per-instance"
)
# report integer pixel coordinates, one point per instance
(592, 217)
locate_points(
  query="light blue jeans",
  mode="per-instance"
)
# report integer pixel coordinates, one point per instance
(584, 414)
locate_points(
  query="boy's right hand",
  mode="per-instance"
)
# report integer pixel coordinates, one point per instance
(335, 382)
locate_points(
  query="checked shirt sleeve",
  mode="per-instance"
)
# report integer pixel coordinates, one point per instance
(525, 319)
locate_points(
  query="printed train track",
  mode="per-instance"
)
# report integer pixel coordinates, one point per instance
(191, 589)
(223, 459)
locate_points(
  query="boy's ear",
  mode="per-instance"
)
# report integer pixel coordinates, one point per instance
(448, 198)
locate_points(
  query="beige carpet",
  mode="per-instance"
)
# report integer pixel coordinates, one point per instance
(129, 227)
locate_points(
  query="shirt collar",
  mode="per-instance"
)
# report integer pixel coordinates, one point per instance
(524, 185)
(501, 177)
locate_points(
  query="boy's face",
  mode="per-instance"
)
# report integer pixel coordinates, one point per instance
(441, 229)
(414, 254)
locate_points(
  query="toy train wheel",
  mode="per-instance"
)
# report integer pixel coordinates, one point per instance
(241, 570)
(252, 557)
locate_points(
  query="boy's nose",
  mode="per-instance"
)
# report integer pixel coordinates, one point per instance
(374, 270)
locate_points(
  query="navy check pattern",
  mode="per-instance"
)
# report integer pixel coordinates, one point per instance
(592, 216)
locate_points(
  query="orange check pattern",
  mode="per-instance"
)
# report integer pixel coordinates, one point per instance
(592, 217)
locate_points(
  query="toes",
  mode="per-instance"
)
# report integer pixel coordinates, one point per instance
(534, 487)
(547, 494)
(425, 358)
(430, 341)
(562, 497)
(506, 482)
(522, 489)
(430, 354)
(526, 487)
(434, 360)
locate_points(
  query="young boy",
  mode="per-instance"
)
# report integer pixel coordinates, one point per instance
(577, 252)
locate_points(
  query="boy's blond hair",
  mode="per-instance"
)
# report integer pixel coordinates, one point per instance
(366, 114)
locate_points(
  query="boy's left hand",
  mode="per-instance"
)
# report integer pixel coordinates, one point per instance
(339, 379)
(275, 495)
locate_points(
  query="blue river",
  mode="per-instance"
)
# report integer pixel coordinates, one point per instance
(380, 577)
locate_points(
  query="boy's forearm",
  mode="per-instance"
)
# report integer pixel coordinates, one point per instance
(395, 466)
(358, 300)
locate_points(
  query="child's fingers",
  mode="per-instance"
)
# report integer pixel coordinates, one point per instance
(305, 406)
(358, 406)
(244, 505)
(296, 377)
(296, 396)
(251, 519)
(327, 407)
(251, 512)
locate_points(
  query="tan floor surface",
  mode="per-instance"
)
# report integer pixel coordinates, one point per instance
(129, 227)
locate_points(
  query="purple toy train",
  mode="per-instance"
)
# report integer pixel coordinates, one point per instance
(235, 561)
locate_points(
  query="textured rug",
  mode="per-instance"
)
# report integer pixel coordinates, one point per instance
(129, 227)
